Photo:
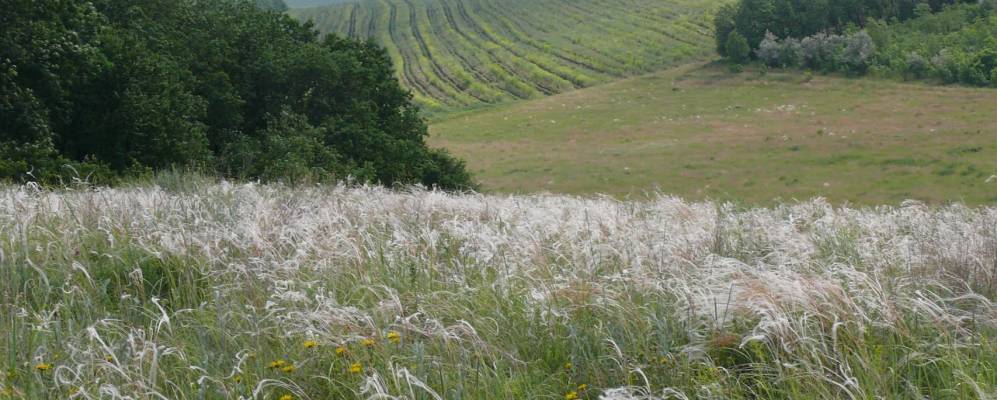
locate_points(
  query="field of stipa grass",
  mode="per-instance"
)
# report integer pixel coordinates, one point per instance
(215, 290)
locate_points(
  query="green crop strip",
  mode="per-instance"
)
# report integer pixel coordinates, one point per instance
(460, 54)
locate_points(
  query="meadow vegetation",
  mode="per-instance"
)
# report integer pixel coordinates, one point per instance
(757, 137)
(188, 289)
(459, 54)
(275, 267)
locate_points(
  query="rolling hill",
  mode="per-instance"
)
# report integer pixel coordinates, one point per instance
(457, 54)
(758, 137)
(314, 3)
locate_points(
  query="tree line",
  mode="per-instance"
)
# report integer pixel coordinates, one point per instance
(956, 40)
(111, 88)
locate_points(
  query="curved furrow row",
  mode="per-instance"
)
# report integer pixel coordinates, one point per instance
(408, 70)
(486, 32)
(452, 54)
(513, 27)
(352, 30)
(572, 17)
(455, 42)
(497, 61)
(443, 71)
(531, 51)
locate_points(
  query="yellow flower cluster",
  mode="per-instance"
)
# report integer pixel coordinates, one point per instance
(309, 344)
(43, 367)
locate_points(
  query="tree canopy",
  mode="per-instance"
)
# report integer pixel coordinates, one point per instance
(752, 19)
(115, 87)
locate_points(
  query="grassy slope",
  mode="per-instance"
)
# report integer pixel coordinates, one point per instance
(458, 54)
(698, 131)
(313, 3)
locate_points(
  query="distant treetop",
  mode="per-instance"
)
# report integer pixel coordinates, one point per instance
(121, 87)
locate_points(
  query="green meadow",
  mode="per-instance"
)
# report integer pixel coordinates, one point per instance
(700, 131)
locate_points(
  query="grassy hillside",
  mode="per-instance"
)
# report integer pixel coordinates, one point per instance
(222, 291)
(314, 3)
(462, 53)
(699, 131)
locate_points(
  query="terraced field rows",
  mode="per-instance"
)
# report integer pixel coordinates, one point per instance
(457, 54)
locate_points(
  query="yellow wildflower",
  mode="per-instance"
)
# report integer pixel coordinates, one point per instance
(356, 368)
(289, 368)
(277, 364)
(340, 350)
(109, 358)
(310, 344)
(567, 365)
(583, 386)
(237, 378)
(394, 336)
(287, 397)
(43, 367)
(367, 342)
(572, 395)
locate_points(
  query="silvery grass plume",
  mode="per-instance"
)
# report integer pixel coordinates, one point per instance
(270, 292)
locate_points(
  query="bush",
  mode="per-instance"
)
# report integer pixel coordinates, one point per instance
(858, 50)
(738, 51)
(917, 65)
(769, 50)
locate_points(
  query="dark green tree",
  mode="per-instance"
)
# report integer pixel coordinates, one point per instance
(222, 85)
(724, 24)
(738, 51)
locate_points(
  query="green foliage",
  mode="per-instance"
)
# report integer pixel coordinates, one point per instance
(802, 18)
(276, 5)
(737, 48)
(125, 86)
(956, 44)
(723, 24)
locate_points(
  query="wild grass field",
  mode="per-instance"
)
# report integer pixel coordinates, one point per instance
(189, 289)
(756, 137)
(459, 54)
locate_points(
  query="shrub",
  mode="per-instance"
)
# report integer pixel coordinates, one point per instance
(790, 53)
(769, 50)
(858, 50)
(917, 65)
(738, 51)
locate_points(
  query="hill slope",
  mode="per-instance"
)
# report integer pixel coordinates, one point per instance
(460, 53)
(313, 3)
(699, 131)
